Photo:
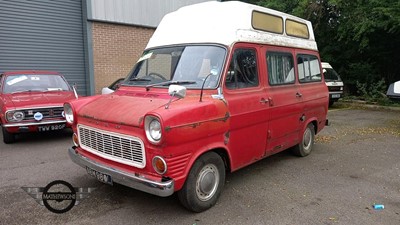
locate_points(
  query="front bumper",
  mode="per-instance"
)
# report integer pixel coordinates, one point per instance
(26, 124)
(163, 189)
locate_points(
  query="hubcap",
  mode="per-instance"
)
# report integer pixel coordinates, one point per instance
(207, 182)
(307, 139)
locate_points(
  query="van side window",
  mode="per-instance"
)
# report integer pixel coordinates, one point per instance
(280, 68)
(309, 68)
(242, 71)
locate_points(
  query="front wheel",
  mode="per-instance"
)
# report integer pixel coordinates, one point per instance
(204, 183)
(8, 137)
(305, 147)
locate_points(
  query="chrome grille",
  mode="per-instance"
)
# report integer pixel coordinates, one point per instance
(53, 112)
(121, 148)
(334, 88)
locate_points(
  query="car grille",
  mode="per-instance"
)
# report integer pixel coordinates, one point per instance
(121, 148)
(48, 113)
(334, 88)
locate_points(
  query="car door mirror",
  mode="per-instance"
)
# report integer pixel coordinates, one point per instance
(177, 90)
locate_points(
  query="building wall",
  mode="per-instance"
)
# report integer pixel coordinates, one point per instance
(135, 12)
(116, 48)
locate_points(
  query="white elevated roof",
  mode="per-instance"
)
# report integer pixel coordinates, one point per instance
(223, 23)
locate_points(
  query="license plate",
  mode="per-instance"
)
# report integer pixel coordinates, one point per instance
(51, 127)
(102, 177)
(336, 96)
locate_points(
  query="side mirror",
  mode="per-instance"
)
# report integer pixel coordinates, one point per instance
(177, 90)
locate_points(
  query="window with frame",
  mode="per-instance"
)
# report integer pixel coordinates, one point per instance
(297, 29)
(242, 71)
(267, 22)
(280, 68)
(308, 68)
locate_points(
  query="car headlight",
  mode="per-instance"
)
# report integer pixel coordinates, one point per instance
(153, 129)
(15, 116)
(69, 113)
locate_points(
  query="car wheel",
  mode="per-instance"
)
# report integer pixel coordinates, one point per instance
(8, 137)
(331, 103)
(305, 147)
(204, 183)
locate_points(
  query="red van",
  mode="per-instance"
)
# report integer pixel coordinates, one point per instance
(210, 95)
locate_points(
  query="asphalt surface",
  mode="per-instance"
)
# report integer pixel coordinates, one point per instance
(355, 164)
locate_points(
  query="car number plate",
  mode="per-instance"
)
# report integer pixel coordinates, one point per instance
(102, 177)
(51, 127)
(336, 96)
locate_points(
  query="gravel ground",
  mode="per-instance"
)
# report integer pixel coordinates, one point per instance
(355, 164)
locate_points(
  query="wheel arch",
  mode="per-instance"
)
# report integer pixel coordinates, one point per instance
(221, 151)
(314, 122)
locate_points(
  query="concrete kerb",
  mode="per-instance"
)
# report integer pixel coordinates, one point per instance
(364, 105)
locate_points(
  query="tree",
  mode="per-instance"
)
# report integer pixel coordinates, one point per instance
(371, 28)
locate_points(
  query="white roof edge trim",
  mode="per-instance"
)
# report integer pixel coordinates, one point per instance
(223, 23)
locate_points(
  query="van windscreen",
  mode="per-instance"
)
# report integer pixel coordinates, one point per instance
(331, 75)
(186, 64)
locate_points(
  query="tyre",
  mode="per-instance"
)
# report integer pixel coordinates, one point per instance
(331, 103)
(306, 145)
(8, 137)
(204, 183)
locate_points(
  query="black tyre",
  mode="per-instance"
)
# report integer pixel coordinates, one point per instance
(204, 183)
(306, 145)
(331, 103)
(8, 137)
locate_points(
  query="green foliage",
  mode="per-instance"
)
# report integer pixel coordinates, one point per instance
(373, 92)
(361, 72)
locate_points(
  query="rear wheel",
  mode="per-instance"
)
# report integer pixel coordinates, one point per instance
(8, 137)
(204, 183)
(305, 147)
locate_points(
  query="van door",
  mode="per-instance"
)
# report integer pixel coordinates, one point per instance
(285, 99)
(314, 91)
(245, 95)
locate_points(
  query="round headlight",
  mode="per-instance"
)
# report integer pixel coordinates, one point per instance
(18, 116)
(69, 113)
(153, 129)
(15, 116)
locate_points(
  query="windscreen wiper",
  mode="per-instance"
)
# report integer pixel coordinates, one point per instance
(139, 79)
(166, 83)
(29, 90)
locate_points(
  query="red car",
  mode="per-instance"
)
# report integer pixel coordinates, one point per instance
(32, 101)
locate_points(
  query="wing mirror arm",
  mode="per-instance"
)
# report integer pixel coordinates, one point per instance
(74, 89)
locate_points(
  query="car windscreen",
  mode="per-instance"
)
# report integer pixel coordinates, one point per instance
(34, 82)
(190, 66)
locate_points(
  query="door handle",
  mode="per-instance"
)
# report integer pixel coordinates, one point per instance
(299, 95)
(264, 101)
